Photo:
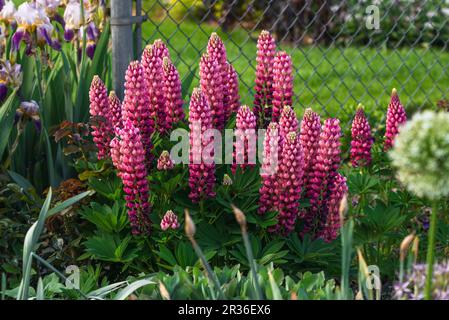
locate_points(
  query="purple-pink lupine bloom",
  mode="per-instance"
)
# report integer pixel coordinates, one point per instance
(362, 140)
(310, 135)
(232, 83)
(212, 86)
(266, 50)
(201, 166)
(287, 122)
(100, 115)
(396, 116)
(160, 49)
(337, 189)
(270, 165)
(152, 64)
(291, 170)
(170, 220)
(115, 107)
(216, 50)
(136, 106)
(324, 169)
(128, 156)
(164, 162)
(245, 145)
(282, 83)
(172, 93)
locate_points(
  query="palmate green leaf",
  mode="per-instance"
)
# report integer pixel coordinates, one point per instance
(110, 247)
(105, 218)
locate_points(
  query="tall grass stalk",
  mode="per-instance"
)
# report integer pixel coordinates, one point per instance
(241, 219)
(190, 232)
(431, 251)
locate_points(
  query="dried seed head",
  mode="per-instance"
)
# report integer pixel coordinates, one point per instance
(415, 247)
(163, 291)
(227, 181)
(239, 216)
(405, 244)
(189, 225)
(343, 209)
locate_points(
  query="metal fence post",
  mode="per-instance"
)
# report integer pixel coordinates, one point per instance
(122, 42)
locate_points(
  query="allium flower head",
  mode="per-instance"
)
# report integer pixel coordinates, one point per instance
(266, 50)
(396, 116)
(421, 153)
(362, 139)
(412, 287)
(170, 220)
(212, 86)
(100, 113)
(164, 162)
(282, 83)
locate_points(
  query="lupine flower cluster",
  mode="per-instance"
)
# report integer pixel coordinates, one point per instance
(309, 135)
(164, 162)
(170, 220)
(287, 122)
(152, 98)
(282, 83)
(291, 170)
(362, 140)
(337, 189)
(268, 195)
(101, 117)
(219, 82)
(320, 178)
(266, 49)
(396, 116)
(244, 151)
(164, 86)
(115, 107)
(128, 156)
(412, 287)
(201, 166)
(136, 106)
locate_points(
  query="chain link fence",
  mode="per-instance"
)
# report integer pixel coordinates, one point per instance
(344, 52)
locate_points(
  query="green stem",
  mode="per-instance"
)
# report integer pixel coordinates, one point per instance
(252, 263)
(430, 251)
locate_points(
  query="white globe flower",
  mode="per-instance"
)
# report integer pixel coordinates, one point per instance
(421, 154)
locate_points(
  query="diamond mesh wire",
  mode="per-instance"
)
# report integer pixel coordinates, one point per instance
(338, 61)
